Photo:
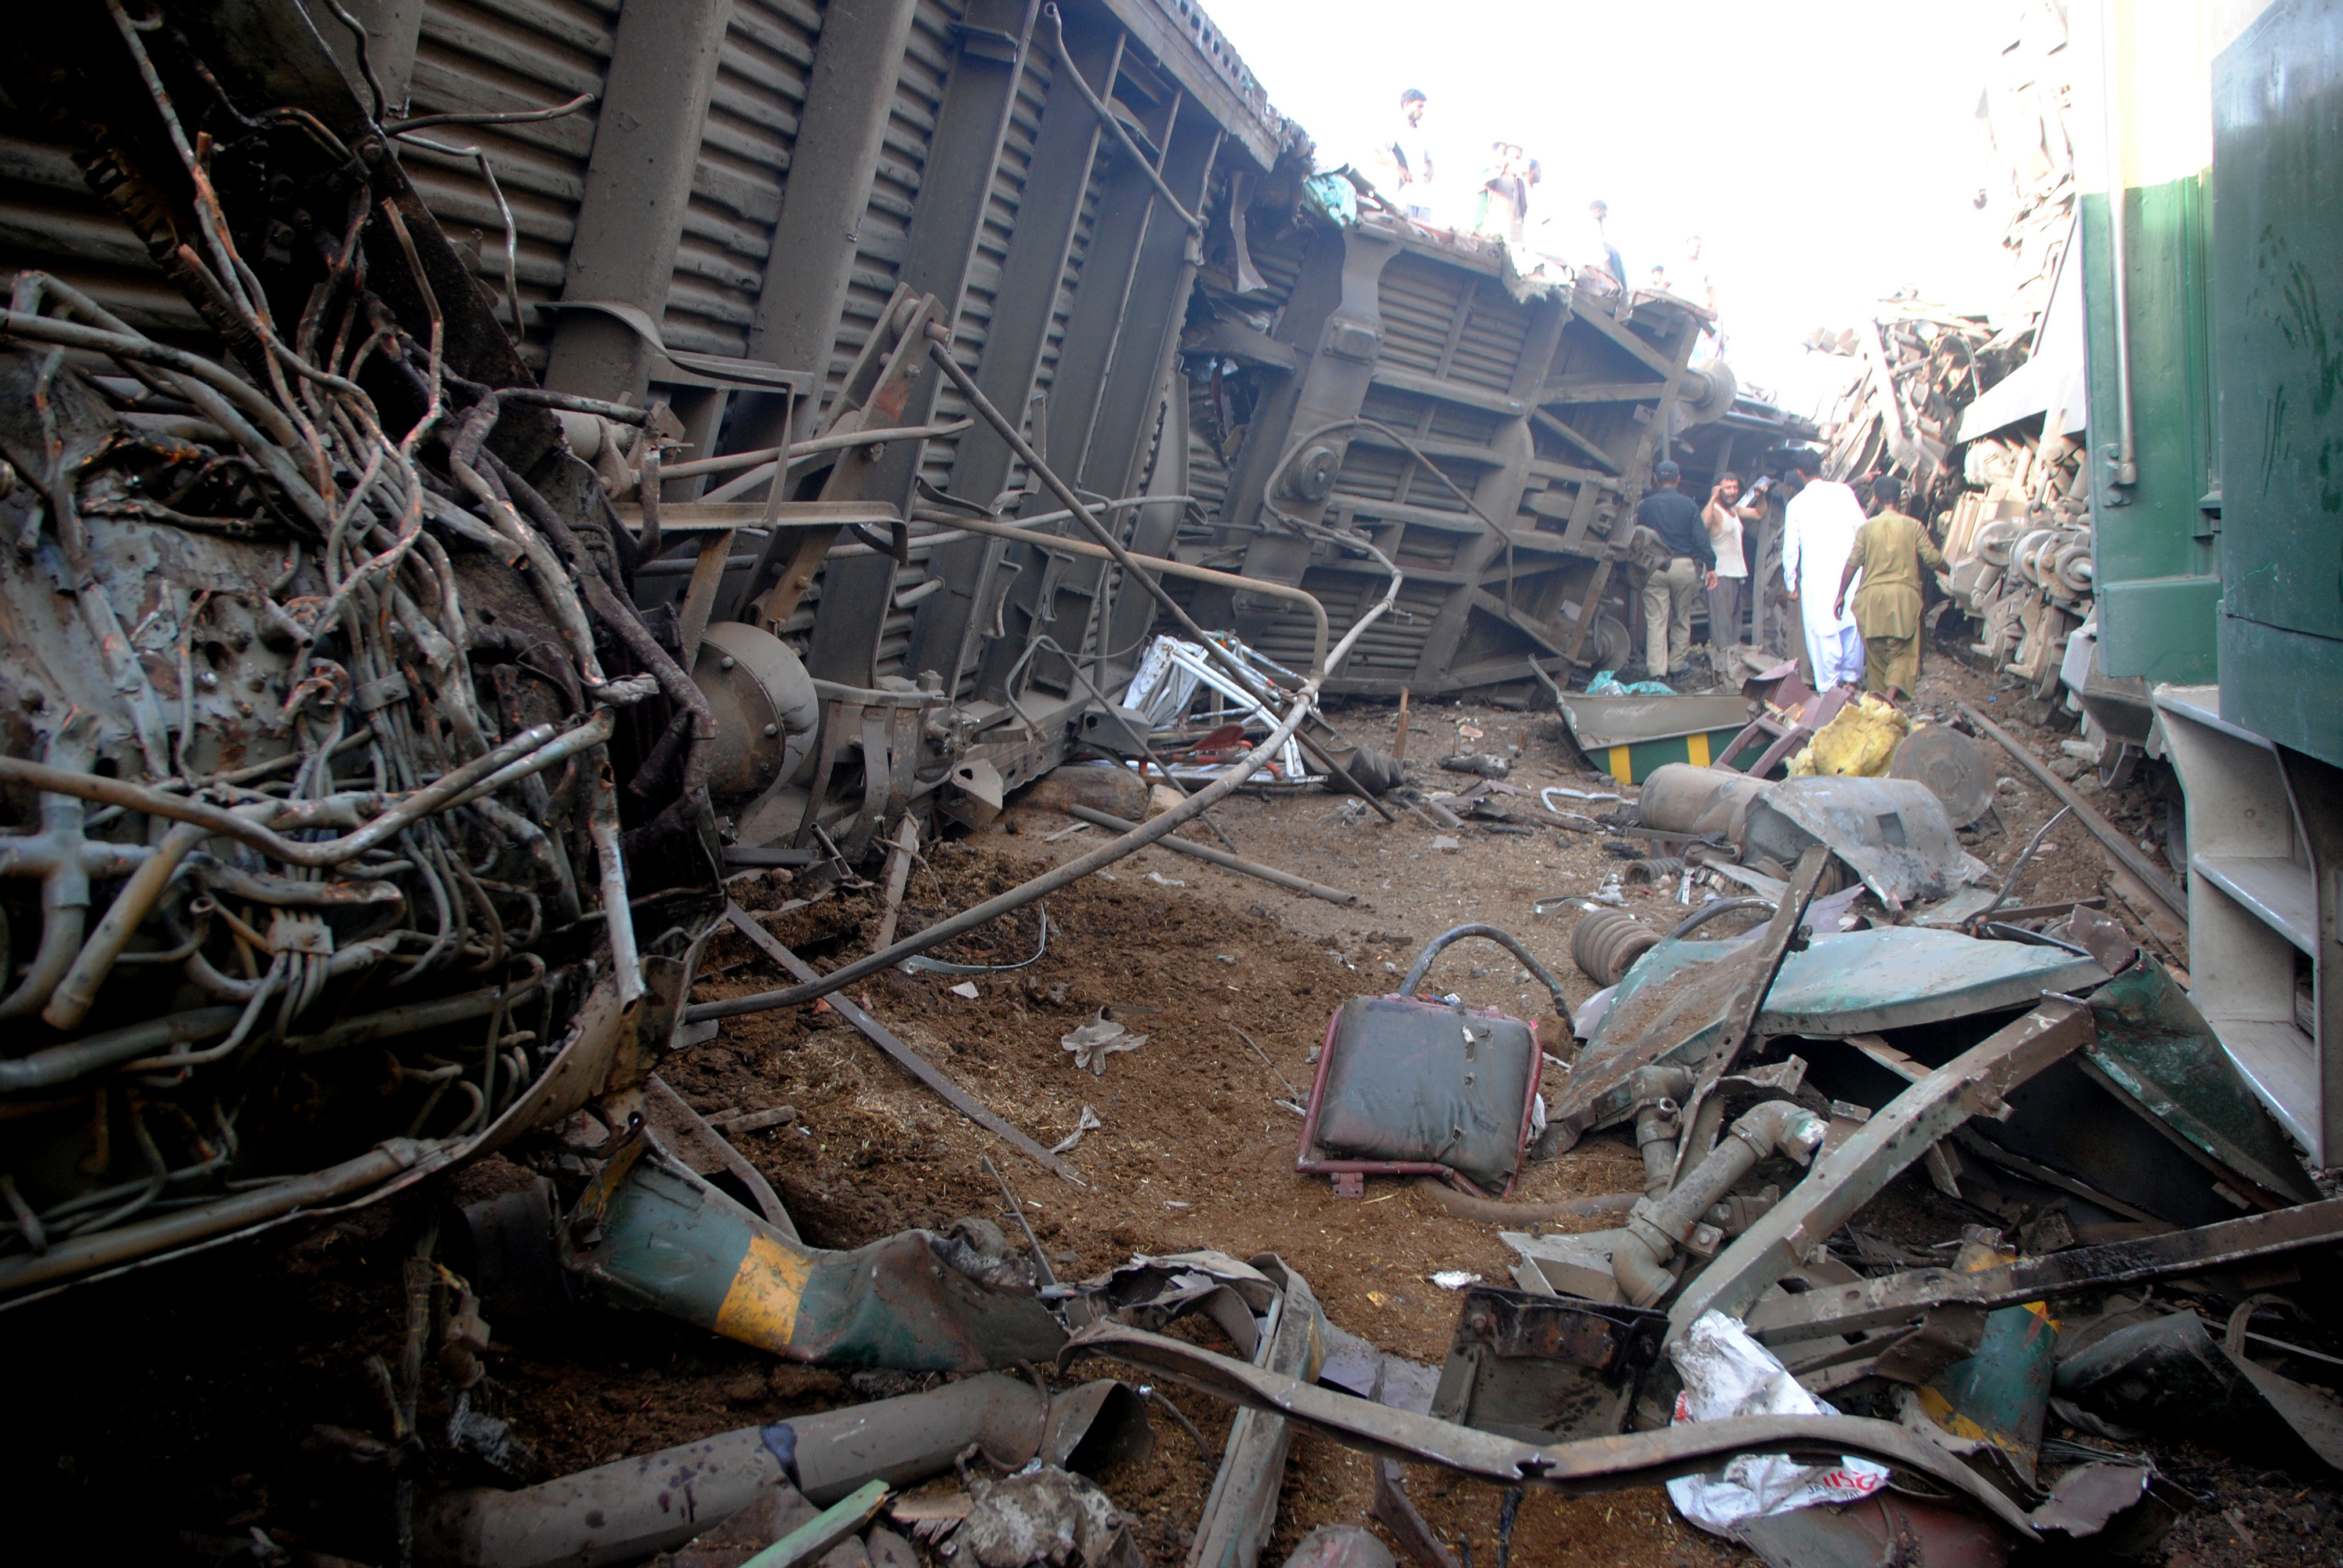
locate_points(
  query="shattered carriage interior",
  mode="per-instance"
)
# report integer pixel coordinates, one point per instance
(510, 506)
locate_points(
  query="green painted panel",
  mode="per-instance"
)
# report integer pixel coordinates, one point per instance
(2284, 684)
(2154, 532)
(2278, 154)
(2162, 628)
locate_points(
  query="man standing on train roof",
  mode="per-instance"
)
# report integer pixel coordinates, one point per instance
(1818, 529)
(1409, 153)
(1888, 551)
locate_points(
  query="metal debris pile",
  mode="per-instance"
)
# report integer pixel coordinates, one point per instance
(331, 737)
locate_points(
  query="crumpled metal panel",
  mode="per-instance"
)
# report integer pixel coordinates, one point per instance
(1852, 983)
(2155, 1051)
(653, 1235)
(1893, 831)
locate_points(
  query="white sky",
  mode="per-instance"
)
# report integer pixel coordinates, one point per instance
(1827, 152)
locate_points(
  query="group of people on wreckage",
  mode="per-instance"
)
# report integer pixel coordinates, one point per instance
(1857, 578)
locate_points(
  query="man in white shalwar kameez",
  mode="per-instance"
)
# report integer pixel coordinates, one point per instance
(1818, 529)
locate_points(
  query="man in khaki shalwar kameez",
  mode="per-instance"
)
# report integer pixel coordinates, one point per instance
(1888, 552)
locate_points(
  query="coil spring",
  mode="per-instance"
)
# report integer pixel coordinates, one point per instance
(1607, 942)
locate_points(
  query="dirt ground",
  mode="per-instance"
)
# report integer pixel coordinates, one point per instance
(178, 1407)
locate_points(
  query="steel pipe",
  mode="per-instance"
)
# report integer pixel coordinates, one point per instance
(1221, 857)
(85, 1254)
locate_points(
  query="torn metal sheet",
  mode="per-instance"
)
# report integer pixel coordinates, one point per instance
(1900, 1298)
(2155, 1052)
(1843, 1180)
(651, 1233)
(1574, 1469)
(1670, 1008)
(1545, 1369)
(1703, 1016)
(1893, 833)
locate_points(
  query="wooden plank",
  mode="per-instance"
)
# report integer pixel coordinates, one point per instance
(911, 1061)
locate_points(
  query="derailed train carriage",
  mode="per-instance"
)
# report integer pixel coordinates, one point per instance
(478, 470)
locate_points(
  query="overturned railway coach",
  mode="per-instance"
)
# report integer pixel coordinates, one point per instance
(477, 470)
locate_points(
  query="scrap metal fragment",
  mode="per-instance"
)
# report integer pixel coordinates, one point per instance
(1899, 1298)
(1851, 1175)
(1396, 1512)
(1657, 1023)
(1545, 1369)
(1241, 1509)
(1574, 1469)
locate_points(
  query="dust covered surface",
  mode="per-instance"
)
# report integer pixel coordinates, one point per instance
(164, 1415)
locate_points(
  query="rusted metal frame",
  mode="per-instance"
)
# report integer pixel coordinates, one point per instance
(841, 133)
(911, 1061)
(1843, 1180)
(873, 397)
(1498, 493)
(637, 183)
(1242, 1508)
(1893, 1299)
(696, 1144)
(1583, 1468)
(949, 637)
(947, 220)
(2111, 838)
(1567, 394)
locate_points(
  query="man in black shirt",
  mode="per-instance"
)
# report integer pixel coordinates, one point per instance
(1672, 591)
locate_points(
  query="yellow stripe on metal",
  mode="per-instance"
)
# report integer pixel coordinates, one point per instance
(1697, 750)
(760, 1308)
(1621, 768)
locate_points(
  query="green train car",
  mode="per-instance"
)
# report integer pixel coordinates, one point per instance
(2210, 149)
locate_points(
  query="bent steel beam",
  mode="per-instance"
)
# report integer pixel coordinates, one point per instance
(1574, 1469)
(1971, 1084)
